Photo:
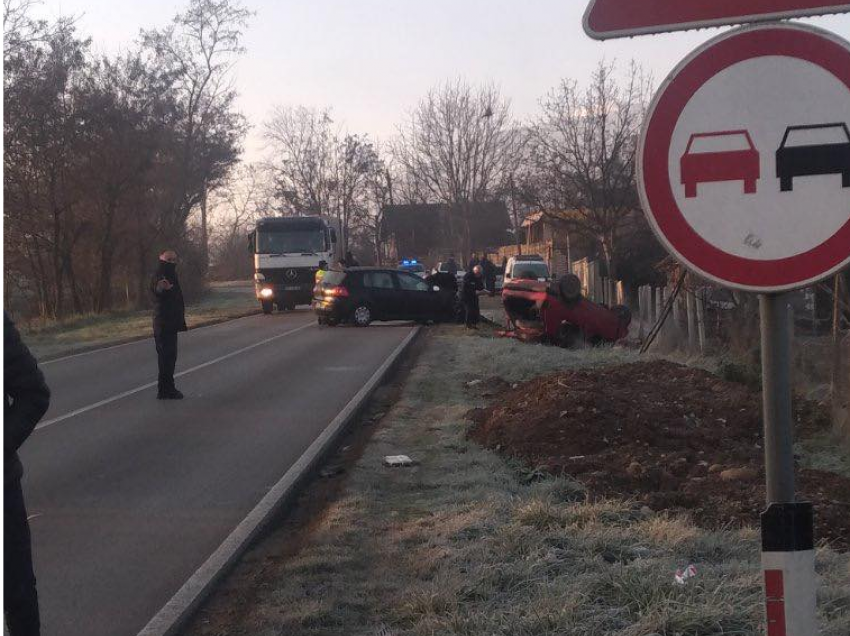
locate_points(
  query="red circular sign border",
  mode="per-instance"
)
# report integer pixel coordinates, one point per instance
(805, 43)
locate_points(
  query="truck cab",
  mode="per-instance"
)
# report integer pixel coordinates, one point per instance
(287, 253)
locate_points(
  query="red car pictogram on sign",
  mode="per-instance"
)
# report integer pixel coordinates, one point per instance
(715, 165)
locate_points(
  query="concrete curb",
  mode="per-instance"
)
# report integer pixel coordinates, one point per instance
(177, 611)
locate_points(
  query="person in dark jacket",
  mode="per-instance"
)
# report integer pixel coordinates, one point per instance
(472, 284)
(27, 399)
(169, 318)
(473, 262)
(350, 260)
(451, 266)
(489, 272)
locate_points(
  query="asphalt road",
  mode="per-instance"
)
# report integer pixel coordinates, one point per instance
(128, 495)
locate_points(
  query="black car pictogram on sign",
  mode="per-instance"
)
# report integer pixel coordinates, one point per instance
(814, 159)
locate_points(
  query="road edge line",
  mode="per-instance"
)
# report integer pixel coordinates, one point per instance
(198, 587)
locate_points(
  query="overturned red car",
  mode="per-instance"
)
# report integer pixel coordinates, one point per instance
(556, 312)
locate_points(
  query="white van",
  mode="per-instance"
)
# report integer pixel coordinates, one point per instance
(526, 268)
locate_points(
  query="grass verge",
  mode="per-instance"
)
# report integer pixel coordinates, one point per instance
(467, 543)
(56, 338)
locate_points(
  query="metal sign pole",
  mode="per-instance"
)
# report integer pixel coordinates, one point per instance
(788, 557)
(776, 393)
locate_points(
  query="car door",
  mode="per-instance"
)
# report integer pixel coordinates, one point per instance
(419, 299)
(387, 302)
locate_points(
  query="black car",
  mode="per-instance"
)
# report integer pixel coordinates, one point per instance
(814, 158)
(361, 295)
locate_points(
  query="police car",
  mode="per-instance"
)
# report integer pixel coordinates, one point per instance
(413, 266)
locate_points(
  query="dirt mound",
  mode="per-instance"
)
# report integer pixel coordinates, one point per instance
(674, 437)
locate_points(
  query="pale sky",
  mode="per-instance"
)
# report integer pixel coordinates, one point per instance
(372, 60)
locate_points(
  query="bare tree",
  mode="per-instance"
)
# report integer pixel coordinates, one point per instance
(302, 142)
(582, 167)
(319, 168)
(199, 49)
(457, 148)
(104, 157)
(234, 207)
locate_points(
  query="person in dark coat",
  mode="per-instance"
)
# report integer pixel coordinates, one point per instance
(473, 283)
(27, 399)
(169, 318)
(451, 266)
(350, 260)
(489, 272)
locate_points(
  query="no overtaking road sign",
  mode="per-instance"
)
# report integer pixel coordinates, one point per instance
(744, 161)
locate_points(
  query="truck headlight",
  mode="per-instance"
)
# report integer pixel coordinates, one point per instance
(266, 292)
(258, 276)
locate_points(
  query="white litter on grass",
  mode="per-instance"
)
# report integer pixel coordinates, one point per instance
(473, 383)
(397, 461)
(683, 575)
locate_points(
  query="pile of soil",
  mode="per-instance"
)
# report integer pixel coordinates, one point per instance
(673, 437)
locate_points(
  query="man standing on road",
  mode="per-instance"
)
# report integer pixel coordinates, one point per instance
(169, 318)
(27, 399)
(473, 283)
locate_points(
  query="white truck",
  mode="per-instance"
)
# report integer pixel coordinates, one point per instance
(287, 253)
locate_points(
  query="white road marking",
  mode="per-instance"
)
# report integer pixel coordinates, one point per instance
(149, 385)
(138, 341)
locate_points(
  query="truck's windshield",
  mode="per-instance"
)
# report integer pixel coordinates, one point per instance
(286, 241)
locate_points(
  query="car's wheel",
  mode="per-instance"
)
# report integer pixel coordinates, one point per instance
(623, 313)
(569, 287)
(289, 306)
(362, 316)
(268, 306)
(569, 336)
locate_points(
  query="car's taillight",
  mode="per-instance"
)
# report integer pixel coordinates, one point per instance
(337, 292)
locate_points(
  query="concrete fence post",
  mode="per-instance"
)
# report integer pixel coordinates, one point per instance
(676, 330)
(700, 303)
(690, 307)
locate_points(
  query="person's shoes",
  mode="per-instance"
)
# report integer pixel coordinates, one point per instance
(173, 394)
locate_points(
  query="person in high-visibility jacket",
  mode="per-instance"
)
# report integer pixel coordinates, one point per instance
(320, 273)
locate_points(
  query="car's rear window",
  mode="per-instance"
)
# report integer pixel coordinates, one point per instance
(378, 280)
(731, 142)
(530, 270)
(333, 279)
(825, 136)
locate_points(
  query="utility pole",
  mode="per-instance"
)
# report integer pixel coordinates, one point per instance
(517, 233)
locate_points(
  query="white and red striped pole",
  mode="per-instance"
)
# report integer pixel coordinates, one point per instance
(788, 562)
(787, 526)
